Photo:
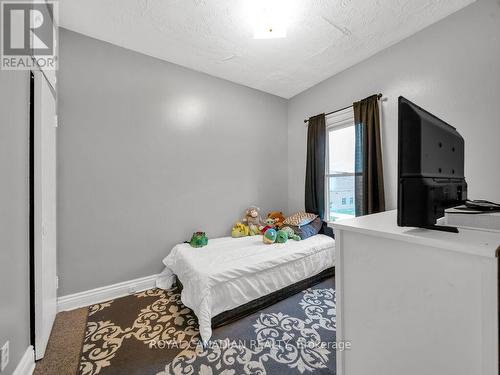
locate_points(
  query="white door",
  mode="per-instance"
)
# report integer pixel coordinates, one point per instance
(44, 212)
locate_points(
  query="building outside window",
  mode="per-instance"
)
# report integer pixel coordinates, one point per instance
(340, 166)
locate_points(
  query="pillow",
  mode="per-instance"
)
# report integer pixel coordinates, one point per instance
(308, 230)
(299, 219)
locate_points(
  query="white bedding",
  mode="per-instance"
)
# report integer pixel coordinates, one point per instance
(230, 272)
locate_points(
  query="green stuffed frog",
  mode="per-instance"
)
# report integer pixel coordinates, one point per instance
(281, 236)
(199, 239)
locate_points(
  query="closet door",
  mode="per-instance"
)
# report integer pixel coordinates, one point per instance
(45, 272)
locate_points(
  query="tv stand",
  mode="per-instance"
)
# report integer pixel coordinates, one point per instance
(442, 228)
(402, 291)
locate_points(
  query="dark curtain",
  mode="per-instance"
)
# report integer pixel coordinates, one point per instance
(315, 166)
(369, 184)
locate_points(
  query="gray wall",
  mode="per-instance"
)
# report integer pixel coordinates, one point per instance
(451, 68)
(14, 218)
(149, 152)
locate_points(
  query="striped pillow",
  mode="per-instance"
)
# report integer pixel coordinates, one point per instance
(299, 219)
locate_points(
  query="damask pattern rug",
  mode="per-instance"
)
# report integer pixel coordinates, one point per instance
(154, 333)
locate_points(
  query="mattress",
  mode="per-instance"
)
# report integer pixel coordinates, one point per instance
(230, 272)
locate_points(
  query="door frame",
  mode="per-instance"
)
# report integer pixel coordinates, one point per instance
(32, 205)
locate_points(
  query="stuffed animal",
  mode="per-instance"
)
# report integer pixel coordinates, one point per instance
(278, 218)
(269, 236)
(199, 239)
(269, 223)
(281, 236)
(240, 230)
(253, 230)
(291, 234)
(253, 220)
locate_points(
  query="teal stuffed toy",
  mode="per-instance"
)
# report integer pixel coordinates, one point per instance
(199, 239)
(291, 234)
(270, 236)
(281, 236)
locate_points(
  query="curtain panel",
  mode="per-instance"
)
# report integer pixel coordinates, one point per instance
(369, 187)
(315, 166)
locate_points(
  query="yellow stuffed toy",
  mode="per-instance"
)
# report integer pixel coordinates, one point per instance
(240, 230)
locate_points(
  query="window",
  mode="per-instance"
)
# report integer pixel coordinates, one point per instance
(340, 166)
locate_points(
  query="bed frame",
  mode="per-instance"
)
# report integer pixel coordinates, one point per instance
(251, 307)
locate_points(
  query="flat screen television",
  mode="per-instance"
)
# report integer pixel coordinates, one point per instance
(430, 167)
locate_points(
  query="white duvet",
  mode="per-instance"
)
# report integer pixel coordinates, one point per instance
(230, 272)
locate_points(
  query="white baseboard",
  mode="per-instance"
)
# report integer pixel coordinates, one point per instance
(26, 365)
(105, 293)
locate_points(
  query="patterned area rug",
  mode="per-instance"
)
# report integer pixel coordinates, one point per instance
(154, 333)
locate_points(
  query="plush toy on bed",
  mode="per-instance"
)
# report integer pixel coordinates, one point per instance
(291, 233)
(253, 220)
(269, 236)
(240, 230)
(278, 218)
(199, 239)
(269, 223)
(281, 236)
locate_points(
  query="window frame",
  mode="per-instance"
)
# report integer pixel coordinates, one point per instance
(336, 121)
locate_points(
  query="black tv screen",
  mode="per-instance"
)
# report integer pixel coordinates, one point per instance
(430, 167)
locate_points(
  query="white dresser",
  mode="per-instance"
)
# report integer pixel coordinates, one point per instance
(415, 301)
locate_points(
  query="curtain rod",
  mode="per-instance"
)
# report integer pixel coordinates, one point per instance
(379, 96)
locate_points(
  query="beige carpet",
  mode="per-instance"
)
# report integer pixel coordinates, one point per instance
(65, 344)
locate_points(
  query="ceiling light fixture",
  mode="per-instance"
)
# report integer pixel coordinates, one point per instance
(269, 19)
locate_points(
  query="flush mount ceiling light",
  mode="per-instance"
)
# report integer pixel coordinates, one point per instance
(269, 19)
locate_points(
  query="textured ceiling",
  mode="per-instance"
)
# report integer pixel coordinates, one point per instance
(324, 37)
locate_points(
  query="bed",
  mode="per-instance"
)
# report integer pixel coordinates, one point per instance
(231, 277)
